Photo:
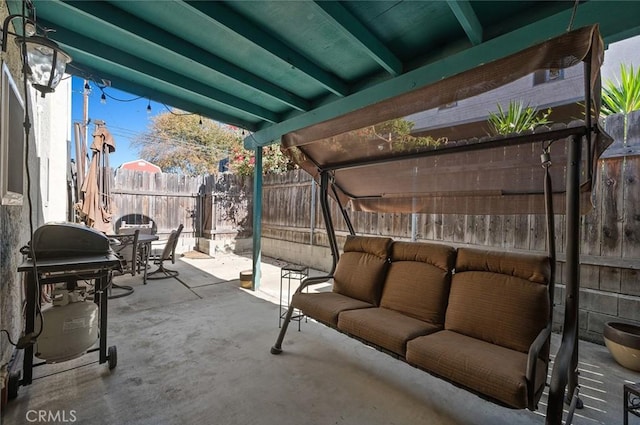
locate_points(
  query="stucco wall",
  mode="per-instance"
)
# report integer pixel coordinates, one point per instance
(14, 233)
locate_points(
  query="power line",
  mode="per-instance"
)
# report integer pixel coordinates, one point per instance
(145, 138)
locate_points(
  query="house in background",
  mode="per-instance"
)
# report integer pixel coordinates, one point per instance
(558, 90)
(140, 165)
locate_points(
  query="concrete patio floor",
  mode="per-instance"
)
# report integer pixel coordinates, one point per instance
(195, 350)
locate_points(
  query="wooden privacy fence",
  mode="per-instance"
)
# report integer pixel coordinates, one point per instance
(209, 206)
(167, 199)
(226, 206)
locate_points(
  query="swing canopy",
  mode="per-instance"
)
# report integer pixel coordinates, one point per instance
(433, 150)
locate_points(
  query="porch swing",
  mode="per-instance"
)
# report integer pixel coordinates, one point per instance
(483, 175)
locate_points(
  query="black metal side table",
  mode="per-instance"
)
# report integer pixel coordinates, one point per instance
(288, 273)
(631, 401)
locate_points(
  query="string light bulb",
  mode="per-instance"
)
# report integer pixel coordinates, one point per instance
(200, 122)
(103, 99)
(149, 107)
(87, 88)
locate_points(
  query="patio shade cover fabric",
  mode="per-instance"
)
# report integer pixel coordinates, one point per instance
(96, 205)
(377, 165)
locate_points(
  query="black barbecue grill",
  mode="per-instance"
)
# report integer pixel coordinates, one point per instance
(64, 253)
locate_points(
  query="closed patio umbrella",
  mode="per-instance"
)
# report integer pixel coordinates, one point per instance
(96, 203)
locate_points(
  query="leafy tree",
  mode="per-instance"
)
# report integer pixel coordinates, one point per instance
(517, 118)
(186, 143)
(397, 134)
(623, 95)
(242, 161)
(387, 137)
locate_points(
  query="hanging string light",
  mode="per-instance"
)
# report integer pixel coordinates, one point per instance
(149, 107)
(103, 99)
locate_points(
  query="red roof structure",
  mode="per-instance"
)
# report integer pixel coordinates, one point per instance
(141, 165)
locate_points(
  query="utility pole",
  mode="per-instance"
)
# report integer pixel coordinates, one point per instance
(85, 124)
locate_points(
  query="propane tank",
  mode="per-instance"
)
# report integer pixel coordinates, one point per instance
(70, 327)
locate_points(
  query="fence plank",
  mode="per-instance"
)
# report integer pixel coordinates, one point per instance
(495, 232)
(611, 198)
(522, 231)
(538, 233)
(631, 226)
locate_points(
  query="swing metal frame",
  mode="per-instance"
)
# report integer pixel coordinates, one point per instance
(564, 385)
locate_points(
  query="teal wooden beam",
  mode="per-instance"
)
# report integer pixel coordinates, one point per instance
(165, 44)
(612, 22)
(468, 19)
(155, 70)
(218, 12)
(350, 26)
(257, 219)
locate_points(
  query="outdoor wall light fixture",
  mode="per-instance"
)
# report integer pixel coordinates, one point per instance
(45, 61)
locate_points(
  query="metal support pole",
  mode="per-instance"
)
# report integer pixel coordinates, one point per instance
(331, 233)
(312, 225)
(551, 229)
(345, 215)
(101, 284)
(573, 252)
(565, 369)
(257, 218)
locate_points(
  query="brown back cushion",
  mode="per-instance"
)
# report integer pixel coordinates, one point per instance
(501, 298)
(418, 280)
(361, 269)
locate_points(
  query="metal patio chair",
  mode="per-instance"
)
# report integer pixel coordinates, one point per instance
(126, 247)
(167, 254)
(143, 248)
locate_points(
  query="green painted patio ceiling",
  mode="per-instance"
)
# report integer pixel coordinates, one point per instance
(277, 66)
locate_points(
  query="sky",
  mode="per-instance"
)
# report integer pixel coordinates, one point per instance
(125, 118)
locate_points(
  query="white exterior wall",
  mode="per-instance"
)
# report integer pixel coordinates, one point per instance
(52, 128)
(626, 52)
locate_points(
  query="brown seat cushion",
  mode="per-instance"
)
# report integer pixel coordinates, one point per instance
(325, 306)
(383, 327)
(534, 268)
(500, 298)
(361, 269)
(488, 369)
(418, 280)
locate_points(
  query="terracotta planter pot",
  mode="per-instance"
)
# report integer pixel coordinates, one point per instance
(623, 341)
(246, 278)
